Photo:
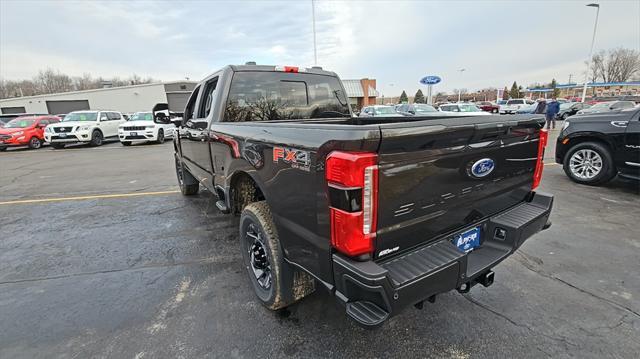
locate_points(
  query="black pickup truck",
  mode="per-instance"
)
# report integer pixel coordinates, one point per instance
(382, 212)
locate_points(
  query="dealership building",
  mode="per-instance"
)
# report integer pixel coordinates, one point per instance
(124, 99)
(134, 98)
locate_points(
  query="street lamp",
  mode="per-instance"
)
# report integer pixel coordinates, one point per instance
(460, 89)
(593, 40)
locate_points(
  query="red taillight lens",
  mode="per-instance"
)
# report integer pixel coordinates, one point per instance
(542, 143)
(354, 227)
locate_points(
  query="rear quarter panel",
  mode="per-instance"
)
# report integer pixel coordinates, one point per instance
(295, 192)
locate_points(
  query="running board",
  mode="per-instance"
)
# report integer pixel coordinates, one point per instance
(222, 207)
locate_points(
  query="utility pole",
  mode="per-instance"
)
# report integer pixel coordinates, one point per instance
(570, 75)
(313, 15)
(593, 40)
(460, 89)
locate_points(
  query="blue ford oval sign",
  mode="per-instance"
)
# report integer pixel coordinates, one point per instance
(482, 168)
(430, 80)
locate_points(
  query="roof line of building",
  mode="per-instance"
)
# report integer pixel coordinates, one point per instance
(590, 84)
(95, 90)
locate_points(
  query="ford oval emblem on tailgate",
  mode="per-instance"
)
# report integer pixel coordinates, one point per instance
(482, 168)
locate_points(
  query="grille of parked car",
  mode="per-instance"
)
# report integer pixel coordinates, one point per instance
(62, 129)
(134, 128)
(4, 137)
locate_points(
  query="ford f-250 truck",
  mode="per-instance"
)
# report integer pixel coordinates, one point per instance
(383, 212)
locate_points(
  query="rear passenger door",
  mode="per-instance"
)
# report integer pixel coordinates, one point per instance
(631, 150)
(115, 119)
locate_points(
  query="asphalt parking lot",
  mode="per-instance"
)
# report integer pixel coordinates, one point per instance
(125, 267)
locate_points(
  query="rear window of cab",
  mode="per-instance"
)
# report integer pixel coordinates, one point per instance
(270, 96)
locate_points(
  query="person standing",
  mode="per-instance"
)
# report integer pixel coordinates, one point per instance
(553, 108)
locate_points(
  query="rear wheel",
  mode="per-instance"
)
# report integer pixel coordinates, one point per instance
(2, 149)
(35, 143)
(96, 138)
(589, 163)
(57, 146)
(274, 281)
(188, 184)
(160, 138)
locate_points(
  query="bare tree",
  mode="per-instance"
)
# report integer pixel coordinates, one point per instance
(616, 65)
(52, 81)
(84, 82)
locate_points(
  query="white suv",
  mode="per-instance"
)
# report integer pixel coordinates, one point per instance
(513, 105)
(84, 127)
(141, 127)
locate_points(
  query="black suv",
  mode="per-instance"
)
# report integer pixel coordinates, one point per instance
(594, 148)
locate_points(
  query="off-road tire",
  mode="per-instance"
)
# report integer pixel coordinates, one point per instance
(189, 185)
(160, 138)
(607, 172)
(288, 284)
(125, 143)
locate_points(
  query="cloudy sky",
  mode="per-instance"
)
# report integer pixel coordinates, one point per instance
(396, 42)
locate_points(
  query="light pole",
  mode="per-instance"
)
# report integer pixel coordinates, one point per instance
(460, 89)
(593, 40)
(313, 18)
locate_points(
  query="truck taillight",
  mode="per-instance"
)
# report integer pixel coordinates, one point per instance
(353, 184)
(542, 143)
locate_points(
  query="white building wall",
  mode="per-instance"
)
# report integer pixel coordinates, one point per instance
(123, 99)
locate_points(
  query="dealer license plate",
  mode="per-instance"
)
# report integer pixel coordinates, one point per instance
(467, 240)
(62, 135)
(134, 133)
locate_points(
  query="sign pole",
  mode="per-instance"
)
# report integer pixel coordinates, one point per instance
(429, 100)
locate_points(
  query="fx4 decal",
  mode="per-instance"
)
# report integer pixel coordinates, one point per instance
(296, 158)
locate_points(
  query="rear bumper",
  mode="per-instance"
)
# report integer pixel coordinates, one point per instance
(374, 291)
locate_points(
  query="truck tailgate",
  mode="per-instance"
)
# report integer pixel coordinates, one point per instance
(438, 178)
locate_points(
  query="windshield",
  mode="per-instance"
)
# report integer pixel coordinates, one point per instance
(502, 102)
(601, 105)
(425, 108)
(515, 102)
(81, 116)
(20, 123)
(564, 106)
(469, 108)
(385, 110)
(141, 116)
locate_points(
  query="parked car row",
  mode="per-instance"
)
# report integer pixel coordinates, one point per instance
(420, 109)
(92, 127)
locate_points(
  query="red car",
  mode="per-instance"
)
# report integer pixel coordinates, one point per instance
(25, 131)
(488, 106)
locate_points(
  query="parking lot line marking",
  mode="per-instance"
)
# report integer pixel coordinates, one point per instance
(98, 196)
(551, 164)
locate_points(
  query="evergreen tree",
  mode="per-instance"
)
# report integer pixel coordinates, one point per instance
(505, 93)
(556, 90)
(514, 92)
(403, 97)
(419, 98)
